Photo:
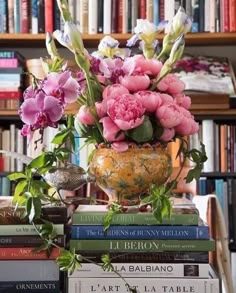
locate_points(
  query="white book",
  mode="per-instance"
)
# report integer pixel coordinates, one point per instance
(207, 16)
(233, 268)
(208, 140)
(72, 9)
(212, 16)
(83, 16)
(125, 16)
(34, 16)
(77, 12)
(107, 17)
(12, 146)
(134, 13)
(144, 270)
(169, 12)
(157, 285)
(6, 146)
(20, 149)
(92, 16)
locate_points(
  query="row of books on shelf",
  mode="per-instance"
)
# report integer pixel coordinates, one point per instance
(220, 144)
(113, 16)
(224, 190)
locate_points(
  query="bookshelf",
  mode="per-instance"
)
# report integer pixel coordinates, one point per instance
(192, 39)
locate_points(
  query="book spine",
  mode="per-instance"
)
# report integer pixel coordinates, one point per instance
(3, 16)
(225, 16)
(120, 17)
(57, 16)
(92, 16)
(156, 12)
(157, 257)
(232, 15)
(10, 94)
(17, 19)
(137, 232)
(48, 12)
(27, 253)
(107, 16)
(160, 285)
(6, 230)
(30, 270)
(149, 10)
(142, 9)
(142, 270)
(134, 219)
(114, 16)
(28, 241)
(134, 16)
(30, 286)
(100, 16)
(10, 10)
(41, 16)
(208, 140)
(9, 54)
(142, 245)
(84, 16)
(34, 16)
(24, 8)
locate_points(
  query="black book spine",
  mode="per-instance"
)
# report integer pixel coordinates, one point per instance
(41, 17)
(100, 16)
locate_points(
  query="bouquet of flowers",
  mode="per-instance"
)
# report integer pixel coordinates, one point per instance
(125, 99)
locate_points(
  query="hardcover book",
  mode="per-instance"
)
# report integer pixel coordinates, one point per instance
(141, 245)
(144, 270)
(139, 232)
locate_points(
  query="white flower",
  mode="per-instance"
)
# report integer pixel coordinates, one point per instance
(181, 23)
(144, 26)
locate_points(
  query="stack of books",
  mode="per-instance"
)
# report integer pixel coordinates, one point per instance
(22, 267)
(12, 66)
(171, 257)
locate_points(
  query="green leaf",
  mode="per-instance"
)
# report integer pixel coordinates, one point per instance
(114, 208)
(61, 137)
(106, 263)
(68, 261)
(143, 132)
(20, 188)
(16, 176)
(41, 160)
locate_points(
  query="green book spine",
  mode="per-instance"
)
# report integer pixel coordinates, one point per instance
(27, 229)
(86, 218)
(141, 245)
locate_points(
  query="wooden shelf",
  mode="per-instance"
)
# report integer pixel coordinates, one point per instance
(38, 40)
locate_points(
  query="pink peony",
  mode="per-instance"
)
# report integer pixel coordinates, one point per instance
(151, 100)
(183, 101)
(84, 115)
(135, 83)
(120, 146)
(168, 134)
(166, 98)
(114, 90)
(127, 111)
(187, 125)
(111, 130)
(101, 108)
(169, 114)
(171, 84)
(147, 66)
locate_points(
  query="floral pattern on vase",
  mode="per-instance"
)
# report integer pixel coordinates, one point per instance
(126, 175)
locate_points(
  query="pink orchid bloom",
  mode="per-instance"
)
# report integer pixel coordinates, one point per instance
(127, 111)
(84, 115)
(151, 100)
(169, 114)
(171, 84)
(41, 111)
(135, 83)
(62, 86)
(111, 130)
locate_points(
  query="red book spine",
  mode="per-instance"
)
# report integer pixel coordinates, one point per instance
(48, 6)
(24, 8)
(10, 95)
(114, 16)
(232, 15)
(225, 16)
(162, 9)
(27, 253)
(142, 9)
(120, 17)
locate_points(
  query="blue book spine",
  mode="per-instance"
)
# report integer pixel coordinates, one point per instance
(17, 20)
(30, 286)
(137, 232)
(156, 17)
